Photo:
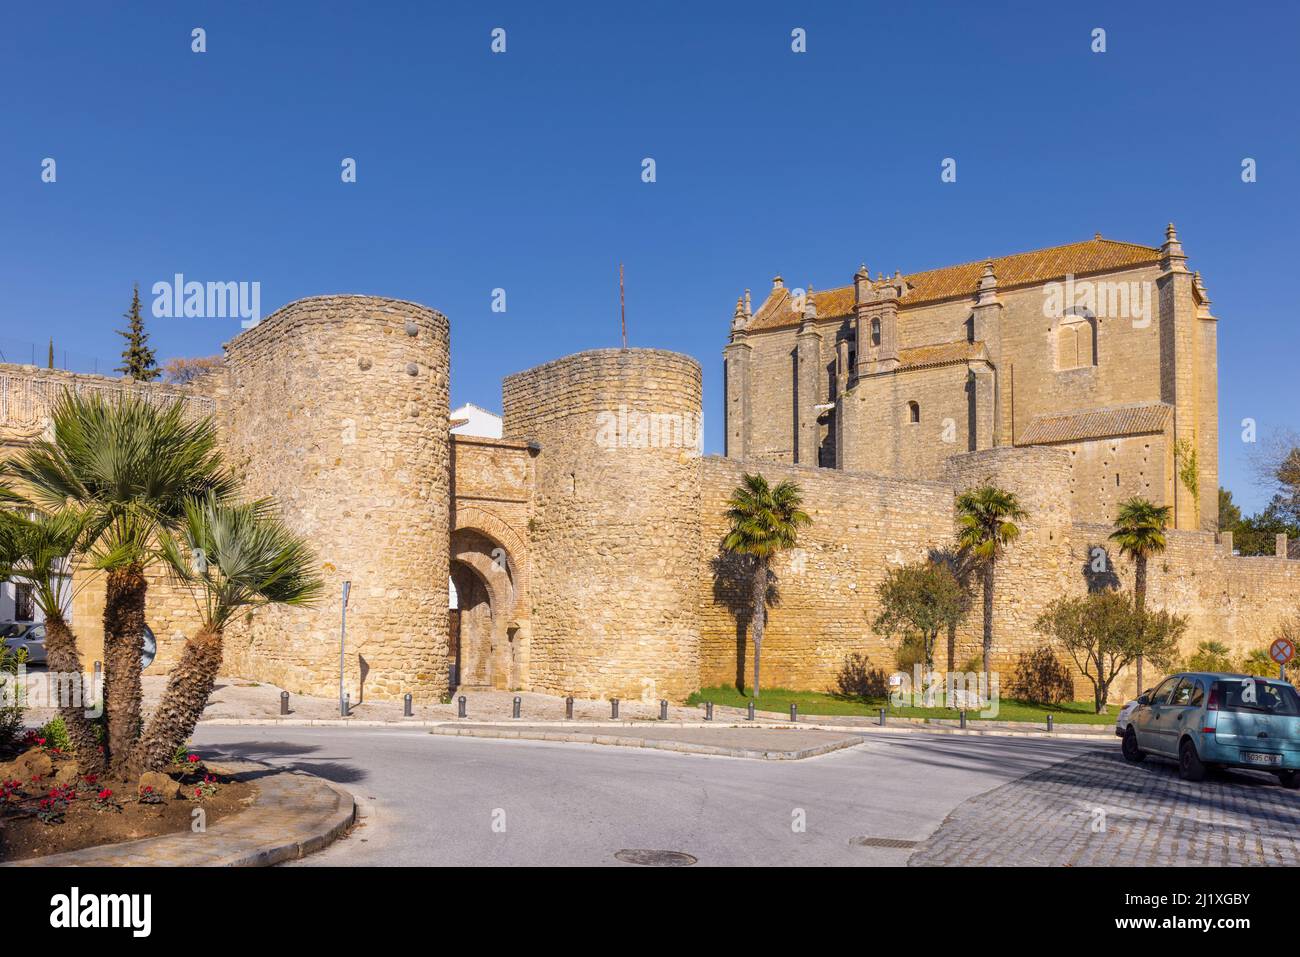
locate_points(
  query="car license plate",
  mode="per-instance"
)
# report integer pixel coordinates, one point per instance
(1256, 757)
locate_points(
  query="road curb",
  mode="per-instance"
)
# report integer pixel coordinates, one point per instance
(293, 815)
(771, 725)
(682, 747)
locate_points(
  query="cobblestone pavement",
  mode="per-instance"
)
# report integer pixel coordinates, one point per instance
(1097, 810)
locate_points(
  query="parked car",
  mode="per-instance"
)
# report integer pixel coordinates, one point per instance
(1126, 712)
(29, 635)
(19, 635)
(1207, 720)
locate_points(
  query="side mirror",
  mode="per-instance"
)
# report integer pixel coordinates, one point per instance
(1144, 698)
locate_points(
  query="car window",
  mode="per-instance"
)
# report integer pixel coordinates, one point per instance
(1198, 694)
(1259, 696)
(1164, 691)
(1182, 694)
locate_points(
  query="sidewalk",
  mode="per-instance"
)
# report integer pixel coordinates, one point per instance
(237, 701)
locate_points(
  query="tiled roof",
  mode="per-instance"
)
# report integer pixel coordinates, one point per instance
(1097, 424)
(944, 353)
(1022, 269)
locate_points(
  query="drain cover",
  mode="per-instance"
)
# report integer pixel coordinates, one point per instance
(882, 842)
(656, 858)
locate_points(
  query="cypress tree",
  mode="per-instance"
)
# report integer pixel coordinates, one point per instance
(138, 359)
(51, 356)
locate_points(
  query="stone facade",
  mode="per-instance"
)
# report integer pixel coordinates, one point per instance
(1105, 348)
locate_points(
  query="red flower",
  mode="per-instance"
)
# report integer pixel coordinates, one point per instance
(198, 792)
(105, 794)
(41, 742)
(193, 758)
(148, 789)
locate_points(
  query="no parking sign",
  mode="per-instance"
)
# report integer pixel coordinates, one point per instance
(1282, 651)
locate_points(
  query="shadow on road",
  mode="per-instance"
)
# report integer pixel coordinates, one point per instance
(340, 771)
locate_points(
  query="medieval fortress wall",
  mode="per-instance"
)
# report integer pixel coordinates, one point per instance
(615, 528)
(615, 585)
(338, 406)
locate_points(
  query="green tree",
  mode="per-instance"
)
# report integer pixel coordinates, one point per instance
(37, 549)
(232, 557)
(138, 360)
(764, 521)
(1140, 533)
(50, 356)
(917, 602)
(131, 467)
(986, 527)
(1104, 632)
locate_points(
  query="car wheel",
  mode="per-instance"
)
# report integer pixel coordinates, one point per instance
(1190, 767)
(1130, 747)
(1289, 779)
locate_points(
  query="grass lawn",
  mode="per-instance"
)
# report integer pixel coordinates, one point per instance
(820, 702)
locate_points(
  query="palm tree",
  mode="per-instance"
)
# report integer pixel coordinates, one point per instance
(130, 466)
(232, 557)
(958, 563)
(765, 521)
(1140, 528)
(35, 549)
(986, 525)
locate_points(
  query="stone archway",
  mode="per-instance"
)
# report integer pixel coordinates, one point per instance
(483, 580)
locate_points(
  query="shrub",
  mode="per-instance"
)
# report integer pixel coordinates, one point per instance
(857, 679)
(1041, 678)
(11, 709)
(55, 733)
(1210, 656)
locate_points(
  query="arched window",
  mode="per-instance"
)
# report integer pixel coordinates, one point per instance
(1076, 340)
(913, 412)
(875, 331)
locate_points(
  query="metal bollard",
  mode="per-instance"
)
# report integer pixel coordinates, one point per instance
(406, 706)
(794, 711)
(963, 720)
(568, 707)
(346, 708)
(663, 710)
(1049, 722)
(284, 702)
(751, 711)
(882, 717)
(708, 711)
(613, 707)
(460, 707)
(514, 710)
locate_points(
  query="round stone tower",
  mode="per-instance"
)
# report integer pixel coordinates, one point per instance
(615, 533)
(337, 406)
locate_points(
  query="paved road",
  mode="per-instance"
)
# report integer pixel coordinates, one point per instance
(439, 800)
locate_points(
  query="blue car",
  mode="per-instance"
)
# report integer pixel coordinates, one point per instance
(1206, 720)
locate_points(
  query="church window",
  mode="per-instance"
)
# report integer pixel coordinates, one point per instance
(1076, 341)
(875, 332)
(913, 412)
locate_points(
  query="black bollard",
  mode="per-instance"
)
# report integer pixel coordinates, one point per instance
(514, 710)
(708, 711)
(1049, 722)
(963, 720)
(663, 710)
(751, 711)
(406, 706)
(568, 707)
(284, 702)
(613, 707)
(794, 711)
(347, 705)
(460, 707)
(882, 717)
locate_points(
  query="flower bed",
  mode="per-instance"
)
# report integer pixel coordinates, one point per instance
(47, 808)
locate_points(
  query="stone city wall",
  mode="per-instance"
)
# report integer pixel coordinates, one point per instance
(615, 524)
(338, 407)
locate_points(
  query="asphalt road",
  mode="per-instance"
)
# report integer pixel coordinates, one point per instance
(437, 800)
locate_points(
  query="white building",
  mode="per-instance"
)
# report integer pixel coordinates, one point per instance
(475, 420)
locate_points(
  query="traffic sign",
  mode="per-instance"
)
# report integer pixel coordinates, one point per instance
(1281, 651)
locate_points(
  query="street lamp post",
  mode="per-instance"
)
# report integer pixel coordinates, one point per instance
(343, 640)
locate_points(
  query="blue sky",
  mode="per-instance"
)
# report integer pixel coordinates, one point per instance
(522, 170)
